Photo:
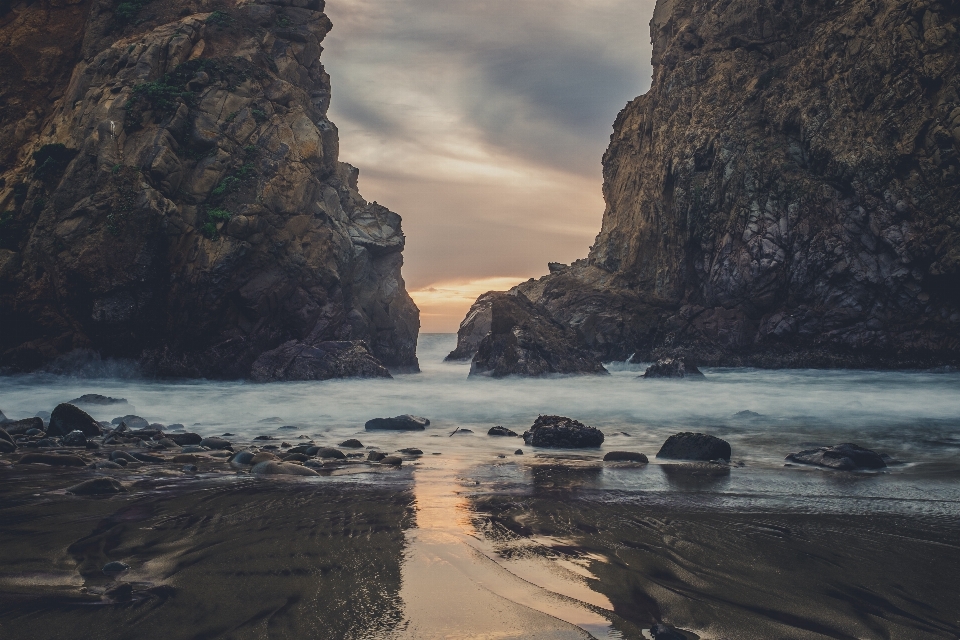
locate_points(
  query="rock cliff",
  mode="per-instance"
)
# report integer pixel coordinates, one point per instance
(786, 194)
(170, 192)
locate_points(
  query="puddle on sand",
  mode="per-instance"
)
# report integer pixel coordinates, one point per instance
(455, 586)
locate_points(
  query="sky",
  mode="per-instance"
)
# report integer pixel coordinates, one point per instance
(482, 123)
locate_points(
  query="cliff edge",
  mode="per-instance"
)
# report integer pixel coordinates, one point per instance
(786, 194)
(170, 192)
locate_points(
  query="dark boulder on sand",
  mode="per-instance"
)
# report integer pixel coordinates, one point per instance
(216, 443)
(842, 457)
(561, 432)
(97, 487)
(66, 418)
(186, 439)
(501, 431)
(694, 446)
(672, 368)
(405, 422)
(352, 443)
(20, 427)
(625, 456)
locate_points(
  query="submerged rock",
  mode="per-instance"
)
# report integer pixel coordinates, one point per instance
(501, 431)
(405, 422)
(672, 368)
(523, 339)
(842, 457)
(694, 446)
(66, 418)
(96, 487)
(625, 456)
(561, 432)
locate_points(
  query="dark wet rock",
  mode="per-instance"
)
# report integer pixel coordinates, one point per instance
(523, 339)
(262, 456)
(672, 368)
(98, 400)
(122, 455)
(185, 439)
(285, 445)
(666, 632)
(131, 422)
(264, 438)
(518, 452)
(5, 436)
(330, 452)
(107, 464)
(842, 457)
(412, 451)
(66, 418)
(47, 443)
(304, 448)
(34, 432)
(376, 456)
(625, 456)
(215, 443)
(287, 428)
(561, 432)
(295, 457)
(97, 487)
(75, 439)
(20, 427)
(146, 457)
(52, 460)
(394, 461)
(501, 431)
(405, 422)
(694, 446)
(114, 568)
(273, 467)
(352, 443)
(293, 360)
(122, 592)
(7, 446)
(189, 468)
(176, 426)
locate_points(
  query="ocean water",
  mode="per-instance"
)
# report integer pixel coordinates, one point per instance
(912, 416)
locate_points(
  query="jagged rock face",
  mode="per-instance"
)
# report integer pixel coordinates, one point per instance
(785, 194)
(523, 339)
(183, 204)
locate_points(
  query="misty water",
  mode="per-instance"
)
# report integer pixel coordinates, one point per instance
(912, 416)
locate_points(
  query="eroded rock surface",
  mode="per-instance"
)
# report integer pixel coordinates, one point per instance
(694, 446)
(562, 432)
(176, 198)
(785, 194)
(842, 457)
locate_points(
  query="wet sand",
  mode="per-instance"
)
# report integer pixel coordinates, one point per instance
(444, 550)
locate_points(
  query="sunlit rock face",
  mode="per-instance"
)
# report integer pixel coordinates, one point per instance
(785, 194)
(176, 198)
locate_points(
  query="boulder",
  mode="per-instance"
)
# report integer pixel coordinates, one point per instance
(185, 439)
(20, 427)
(275, 468)
(625, 456)
(694, 446)
(501, 431)
(98, 400)
(376, 456)
(525, 340)
(842, 457)
(295, 360)
(96, 487)
(672, 368)
(352, 443)
(405, 422)
(561, 432)
(393, 461)
(131, 422)
(215, 443)
(66, 418)
(52, 460)
(75, 439)
(330, 452)
(412, 451)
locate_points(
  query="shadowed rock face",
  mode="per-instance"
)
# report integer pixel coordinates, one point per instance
(784, 195)
(506, 334)
(181, 203)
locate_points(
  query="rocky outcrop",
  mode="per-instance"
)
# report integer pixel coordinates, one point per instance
(506, 334)
(562, 432)
(785, 194)
(672, 368)
(842, 457)
(406, 422)
(176, 197)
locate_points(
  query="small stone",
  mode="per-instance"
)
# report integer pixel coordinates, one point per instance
(97, 487)
(501, 431)
(75, 439)
(352, 443)
(186, 439)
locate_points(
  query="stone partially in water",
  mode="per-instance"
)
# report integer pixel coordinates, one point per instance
(694, 446)
(66, 418)
(186, 439)
(98, 400)
(405, 422)
(215, 443)
(131, 422)
(501, 431)
(352, 443)
(562, 432)
(376, 456)
(625, 456)
(274, 468)
(330, 452)
(411, 451)
(97, 487)
(842, 457)
(394, 461)
(672, 368)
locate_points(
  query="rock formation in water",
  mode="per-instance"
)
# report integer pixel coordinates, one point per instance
(786, 194)
(170, 192)
(506, 334)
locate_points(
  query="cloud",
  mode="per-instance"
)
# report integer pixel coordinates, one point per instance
(483, 122)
